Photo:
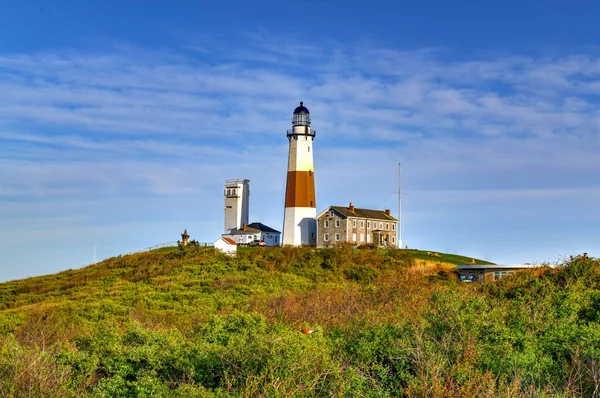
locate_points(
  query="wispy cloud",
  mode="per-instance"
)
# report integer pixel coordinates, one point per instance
(165, 126)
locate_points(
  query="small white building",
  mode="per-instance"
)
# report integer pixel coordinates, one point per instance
(255, 234)
(270, 236)
(226, 245)
(244, 236)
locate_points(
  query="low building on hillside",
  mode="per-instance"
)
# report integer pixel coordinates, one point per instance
(226, 245)
(270, 236)
(338, 224)
(481, 273)
(244, 235)
(255, 234)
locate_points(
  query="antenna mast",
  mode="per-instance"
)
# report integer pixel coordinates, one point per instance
(400, 229)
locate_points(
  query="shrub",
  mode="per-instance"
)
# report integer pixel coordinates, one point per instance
(361, 273)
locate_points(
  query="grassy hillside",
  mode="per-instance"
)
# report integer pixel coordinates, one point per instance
(446, 258)
(193, 322)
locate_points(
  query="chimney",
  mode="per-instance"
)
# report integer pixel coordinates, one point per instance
(351, 207)
(387, 211)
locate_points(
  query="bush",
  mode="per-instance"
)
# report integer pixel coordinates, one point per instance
(361, 273)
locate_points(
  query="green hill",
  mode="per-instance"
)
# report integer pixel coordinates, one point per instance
(192, 322)
(445, 257)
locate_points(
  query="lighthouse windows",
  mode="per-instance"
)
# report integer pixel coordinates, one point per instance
(308, 149)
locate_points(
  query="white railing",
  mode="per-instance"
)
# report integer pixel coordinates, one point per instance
(166, 244)
(159, 246)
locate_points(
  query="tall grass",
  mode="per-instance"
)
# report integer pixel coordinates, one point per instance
(193, 322)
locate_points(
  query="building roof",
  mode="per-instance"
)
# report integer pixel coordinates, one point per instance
(496, 266)
(262, 227)
(345, 212)
(244, 231)
(229, 240)
(301, 109)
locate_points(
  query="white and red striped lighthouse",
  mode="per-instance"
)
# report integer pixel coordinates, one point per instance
(299, 224)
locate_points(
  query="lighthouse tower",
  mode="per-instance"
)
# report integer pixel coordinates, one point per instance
(299, 224)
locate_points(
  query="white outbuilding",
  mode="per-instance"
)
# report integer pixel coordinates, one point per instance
(226, 245)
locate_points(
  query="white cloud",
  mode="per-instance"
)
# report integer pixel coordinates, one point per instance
(162, 127)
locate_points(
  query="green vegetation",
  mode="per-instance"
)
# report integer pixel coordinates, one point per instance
(189, 322)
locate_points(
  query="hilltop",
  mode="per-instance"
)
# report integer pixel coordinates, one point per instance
(194, 322)
(172, 281)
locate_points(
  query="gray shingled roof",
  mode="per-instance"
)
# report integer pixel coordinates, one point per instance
(363, 213)
(262, 227)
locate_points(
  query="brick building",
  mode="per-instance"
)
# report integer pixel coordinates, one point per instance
(338, 224)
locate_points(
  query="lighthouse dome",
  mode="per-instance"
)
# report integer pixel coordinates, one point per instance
(301, 116)
(301, 109)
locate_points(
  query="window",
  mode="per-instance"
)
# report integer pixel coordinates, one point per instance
(393, 227)
(368, 224)
(387, 226)
(362, 224)
(309, 149)
(337, 223)
(326, 224)
(353, 223)
(368, 238)
(362, 238)
(330, 213)
(326, 237)
(337, 237)
(380, 225)
(309, 173)
(353, 238)
(499, 275)
(393, 239)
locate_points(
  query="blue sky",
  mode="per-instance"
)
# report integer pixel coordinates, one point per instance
(120, 121)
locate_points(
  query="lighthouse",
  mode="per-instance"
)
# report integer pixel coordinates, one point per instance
(299, 224)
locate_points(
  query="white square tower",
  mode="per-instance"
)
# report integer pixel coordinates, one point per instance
(237, 204)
